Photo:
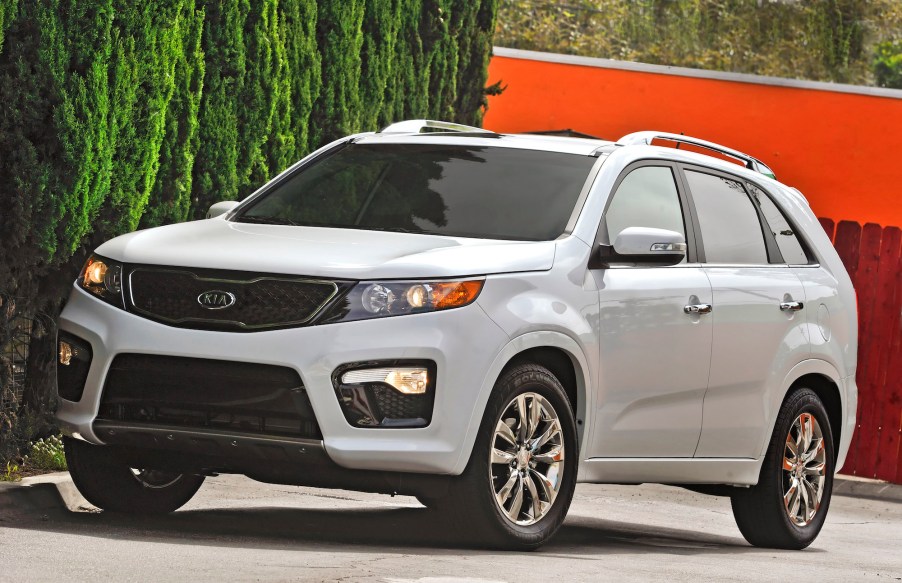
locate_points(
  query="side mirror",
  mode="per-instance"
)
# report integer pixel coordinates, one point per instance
(644, 246)
(221, 208)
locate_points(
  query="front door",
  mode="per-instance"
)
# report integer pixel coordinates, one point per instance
(655, 355)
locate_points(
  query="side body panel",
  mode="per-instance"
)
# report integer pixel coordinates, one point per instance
(755, 345)
(654, 361)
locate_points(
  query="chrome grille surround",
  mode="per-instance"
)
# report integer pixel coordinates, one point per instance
(170, 295)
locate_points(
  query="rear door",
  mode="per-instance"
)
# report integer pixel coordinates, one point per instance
(758, 314)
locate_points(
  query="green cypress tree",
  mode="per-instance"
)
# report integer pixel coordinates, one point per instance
(147, 45)
(475, 52)
(8, 9)
(215, 174)
(280, 145)
(407, 94)
(75, 48)
(170, 198)
(440, 55)
(303, 69)
(381, 23)
(262, 94)
(337, 111)
(29, 144)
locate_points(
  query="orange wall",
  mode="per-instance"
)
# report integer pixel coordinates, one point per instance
(843, 151)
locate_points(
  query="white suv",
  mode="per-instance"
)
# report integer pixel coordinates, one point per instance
(479, 320)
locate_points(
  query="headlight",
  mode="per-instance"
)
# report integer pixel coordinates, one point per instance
(103, 278)
(395, 298)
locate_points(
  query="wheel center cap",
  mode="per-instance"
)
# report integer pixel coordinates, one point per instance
(523, 458)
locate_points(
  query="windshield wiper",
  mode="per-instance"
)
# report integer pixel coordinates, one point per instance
(265, 220)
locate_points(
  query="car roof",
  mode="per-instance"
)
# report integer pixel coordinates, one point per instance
(566, 145)
(440, 132)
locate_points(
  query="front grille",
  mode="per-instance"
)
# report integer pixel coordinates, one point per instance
(212, 394)
(234, 300)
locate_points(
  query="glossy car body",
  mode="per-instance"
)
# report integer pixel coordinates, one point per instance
(659, 394)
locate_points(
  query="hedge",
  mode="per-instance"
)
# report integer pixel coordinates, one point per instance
(116, 115)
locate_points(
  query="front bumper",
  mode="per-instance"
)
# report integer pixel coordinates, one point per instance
(462, 342)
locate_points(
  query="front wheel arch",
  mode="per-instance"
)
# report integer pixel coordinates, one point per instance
(532, 343)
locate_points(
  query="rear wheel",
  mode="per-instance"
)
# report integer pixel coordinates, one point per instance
(112, 485)
(787, 508)
(520, 479)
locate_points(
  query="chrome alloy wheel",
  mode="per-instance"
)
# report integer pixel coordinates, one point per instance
(155, 479)
(804, 469)
(527, 459)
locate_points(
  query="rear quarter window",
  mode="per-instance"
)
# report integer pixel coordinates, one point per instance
(791, 248)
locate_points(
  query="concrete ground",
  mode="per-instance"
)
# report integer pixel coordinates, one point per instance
(239, 530)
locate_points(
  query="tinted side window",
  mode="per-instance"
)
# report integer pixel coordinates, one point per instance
(790, 247)
(729, 222)
(647, 197)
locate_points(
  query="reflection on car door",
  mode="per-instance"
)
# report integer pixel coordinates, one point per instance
(759, 319)
(654, 356)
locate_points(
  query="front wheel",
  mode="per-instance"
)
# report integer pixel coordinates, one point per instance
(111, 485)
(519, 482)
(787, 508)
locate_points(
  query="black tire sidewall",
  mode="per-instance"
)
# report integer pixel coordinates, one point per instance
(759, 510)
(807, 402)
(518, 380)
(110, 485)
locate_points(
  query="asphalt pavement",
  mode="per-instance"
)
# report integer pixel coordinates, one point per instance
(239, 530)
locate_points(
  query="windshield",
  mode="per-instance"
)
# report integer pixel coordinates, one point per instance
(465, 191)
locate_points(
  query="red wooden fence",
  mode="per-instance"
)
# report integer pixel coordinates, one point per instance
(873, 256)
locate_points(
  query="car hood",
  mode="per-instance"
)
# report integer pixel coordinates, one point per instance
(325, 252)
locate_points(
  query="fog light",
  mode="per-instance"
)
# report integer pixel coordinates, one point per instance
(67, 351)
(407, 380)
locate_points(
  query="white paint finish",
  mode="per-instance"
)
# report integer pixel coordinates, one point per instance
(654, 361)
(755, 345)
(648, 241)
(315, 352)
(834, 345)
(325, 252)
(220, 209)
(823, 322)
(556, 308)
(638, 470)
(641, 363)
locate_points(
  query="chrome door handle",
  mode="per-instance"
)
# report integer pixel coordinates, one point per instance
(791, 306)
(698, 309)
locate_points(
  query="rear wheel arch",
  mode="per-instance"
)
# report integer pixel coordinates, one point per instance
(828, 392)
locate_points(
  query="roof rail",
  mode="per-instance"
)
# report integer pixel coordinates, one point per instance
(646, 138)
(418, 126)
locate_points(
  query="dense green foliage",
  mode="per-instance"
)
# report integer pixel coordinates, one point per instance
(116, 114)
(824, 40)
(888, 65)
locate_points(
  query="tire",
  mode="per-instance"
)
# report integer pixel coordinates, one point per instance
(764, 516)
(111, 485)
(535, 485)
